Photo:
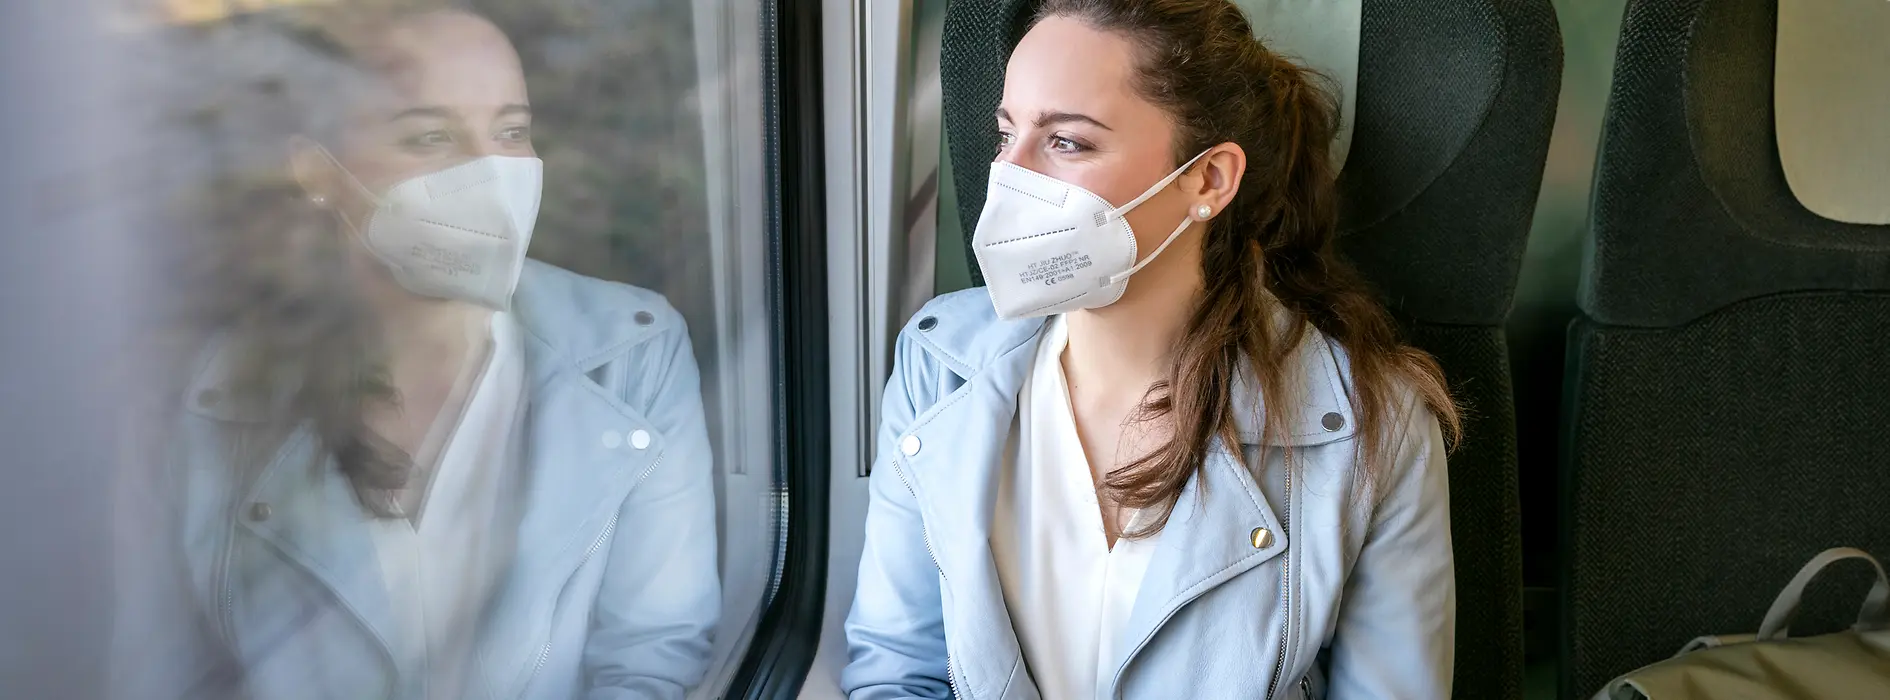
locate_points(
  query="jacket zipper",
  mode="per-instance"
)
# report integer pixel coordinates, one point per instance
(951, 668)
(1286, 589)
(951, 671)
(1305, 689)
(544, 653)
(229, 590)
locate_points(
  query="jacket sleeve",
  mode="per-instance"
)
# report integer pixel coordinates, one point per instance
(660, 599)
(896, 631)
(1396, 630)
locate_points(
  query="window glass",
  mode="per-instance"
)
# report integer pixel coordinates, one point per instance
(465, 349)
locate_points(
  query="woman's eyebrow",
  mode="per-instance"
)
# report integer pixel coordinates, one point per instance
(1052, 118)
(432, 112)
(1057, 117)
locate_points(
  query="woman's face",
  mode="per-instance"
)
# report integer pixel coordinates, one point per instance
(1071, 111)
(451, 90)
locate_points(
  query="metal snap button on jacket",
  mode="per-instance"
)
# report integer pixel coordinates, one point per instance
(1261, 537)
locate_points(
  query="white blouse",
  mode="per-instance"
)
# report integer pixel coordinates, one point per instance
(443, 562)
(1068, 593)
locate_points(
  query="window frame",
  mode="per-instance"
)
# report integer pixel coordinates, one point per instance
(784, 644)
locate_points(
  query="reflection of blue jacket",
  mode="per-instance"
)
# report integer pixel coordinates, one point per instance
(613, 590)
(1265, 576)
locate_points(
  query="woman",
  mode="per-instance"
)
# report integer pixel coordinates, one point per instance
(1174, 450)
(412, 463)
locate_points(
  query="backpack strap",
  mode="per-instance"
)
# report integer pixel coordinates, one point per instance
(1875, 615)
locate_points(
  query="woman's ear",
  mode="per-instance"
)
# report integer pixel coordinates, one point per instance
(1220, 173)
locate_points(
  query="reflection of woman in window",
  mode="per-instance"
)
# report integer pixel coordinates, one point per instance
(412, 463)
(1174, 450)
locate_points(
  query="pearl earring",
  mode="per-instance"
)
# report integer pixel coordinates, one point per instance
(1203, 212)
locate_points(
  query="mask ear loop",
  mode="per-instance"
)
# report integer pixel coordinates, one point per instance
(1119, 278)
(360, 235)
(1124, 275)
(353, 181)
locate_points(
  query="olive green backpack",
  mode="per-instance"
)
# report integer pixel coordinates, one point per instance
(1772, 665)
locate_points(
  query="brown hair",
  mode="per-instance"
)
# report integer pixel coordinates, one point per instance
(269, 275)
(1271, 249)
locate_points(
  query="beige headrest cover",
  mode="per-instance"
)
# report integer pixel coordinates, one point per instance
(1831, 92)
(1321, 35)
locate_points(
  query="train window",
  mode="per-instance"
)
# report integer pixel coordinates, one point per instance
(466, 365)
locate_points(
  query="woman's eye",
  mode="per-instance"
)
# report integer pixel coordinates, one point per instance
(429, 139)
(516, 133)
(1005, 139)
(1059, 143)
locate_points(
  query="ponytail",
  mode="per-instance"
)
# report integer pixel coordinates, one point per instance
(1307, 275)
(1270, 257)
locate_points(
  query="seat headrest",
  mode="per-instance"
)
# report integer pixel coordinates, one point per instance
(1322, 35)
(1693, 211)
(1831, 94)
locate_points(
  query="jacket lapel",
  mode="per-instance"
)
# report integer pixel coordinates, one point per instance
(573, 472)
(1211, 536)
(303, 506)
(579, 460)
(1209, 540)
(289, 492)
(955, 472)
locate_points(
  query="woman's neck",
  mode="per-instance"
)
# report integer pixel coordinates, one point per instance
(1128, 346)
(427, 341)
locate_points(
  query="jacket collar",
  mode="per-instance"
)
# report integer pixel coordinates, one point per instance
(576, 327)
(565, 327)
(962, 331)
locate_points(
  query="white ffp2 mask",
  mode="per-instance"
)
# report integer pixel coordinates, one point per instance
(1049, 247)
(459, 233)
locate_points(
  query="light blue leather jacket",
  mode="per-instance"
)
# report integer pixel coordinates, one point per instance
(1289, 584)
(613, 590)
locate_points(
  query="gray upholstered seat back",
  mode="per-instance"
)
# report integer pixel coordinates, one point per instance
(1727, 395)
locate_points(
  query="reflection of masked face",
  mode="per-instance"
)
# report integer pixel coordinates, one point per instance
(460, 233)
